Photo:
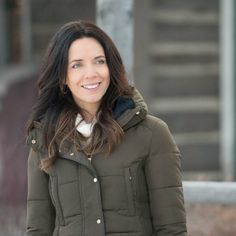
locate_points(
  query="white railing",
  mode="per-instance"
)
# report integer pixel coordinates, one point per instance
(210, 192)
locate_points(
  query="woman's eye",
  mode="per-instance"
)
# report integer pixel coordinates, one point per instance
(101, 61)
(75, 66)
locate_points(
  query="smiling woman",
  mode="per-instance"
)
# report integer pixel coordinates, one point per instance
(88, 75)
(82, 76)
(99, 164)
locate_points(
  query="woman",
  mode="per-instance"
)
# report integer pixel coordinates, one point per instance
(98, 164)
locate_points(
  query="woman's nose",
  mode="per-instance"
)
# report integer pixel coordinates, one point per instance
(90, 71)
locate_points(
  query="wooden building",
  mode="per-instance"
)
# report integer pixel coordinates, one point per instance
(176, 65)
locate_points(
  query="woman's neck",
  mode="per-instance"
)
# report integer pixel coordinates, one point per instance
(89, 112)
(88, 117)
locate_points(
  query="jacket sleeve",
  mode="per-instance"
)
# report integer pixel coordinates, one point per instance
(163, 176)
(40, 211)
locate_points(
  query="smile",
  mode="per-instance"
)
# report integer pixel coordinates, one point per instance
(91, 86)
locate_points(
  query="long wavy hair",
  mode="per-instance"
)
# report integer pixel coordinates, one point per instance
(57, 111)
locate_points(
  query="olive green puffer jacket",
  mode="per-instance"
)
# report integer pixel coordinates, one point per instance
(136, 191)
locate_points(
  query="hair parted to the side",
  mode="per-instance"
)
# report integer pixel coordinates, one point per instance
(57, 111)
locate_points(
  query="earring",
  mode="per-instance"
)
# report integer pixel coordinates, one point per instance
(64, 89)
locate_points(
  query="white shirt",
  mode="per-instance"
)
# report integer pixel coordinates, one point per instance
(84, 128)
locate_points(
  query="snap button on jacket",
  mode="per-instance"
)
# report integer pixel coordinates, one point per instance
(136, 191)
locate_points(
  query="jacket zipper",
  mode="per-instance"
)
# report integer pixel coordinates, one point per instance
(130, 194)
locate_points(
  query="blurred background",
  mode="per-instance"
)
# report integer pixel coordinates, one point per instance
(182, 61)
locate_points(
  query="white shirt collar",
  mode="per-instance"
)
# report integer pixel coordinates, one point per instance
(84, 128)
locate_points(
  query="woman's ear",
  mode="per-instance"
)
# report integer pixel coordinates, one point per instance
(65, 89)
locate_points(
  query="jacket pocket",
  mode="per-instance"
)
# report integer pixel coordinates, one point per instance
(53, 189)
(130, 191)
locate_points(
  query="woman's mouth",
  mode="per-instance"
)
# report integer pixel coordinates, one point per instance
(91, 86)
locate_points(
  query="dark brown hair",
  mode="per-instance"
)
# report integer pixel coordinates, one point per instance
(57, 111)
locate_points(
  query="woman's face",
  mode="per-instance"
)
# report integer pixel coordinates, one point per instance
(88, 76)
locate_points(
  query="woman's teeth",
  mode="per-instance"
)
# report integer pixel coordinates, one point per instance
(91, 86)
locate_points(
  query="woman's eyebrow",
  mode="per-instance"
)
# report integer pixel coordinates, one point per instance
(100, 56)
(76, 60)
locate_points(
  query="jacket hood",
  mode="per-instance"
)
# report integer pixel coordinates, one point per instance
(132, 112)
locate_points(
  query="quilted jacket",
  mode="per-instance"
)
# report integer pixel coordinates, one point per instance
(136, 191)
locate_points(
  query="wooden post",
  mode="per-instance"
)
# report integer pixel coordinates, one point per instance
(116, 19)
(227, 89)
(234, 99)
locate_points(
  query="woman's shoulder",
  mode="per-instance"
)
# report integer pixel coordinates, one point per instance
(154, 123)
(35, 137)
(36, 128)
(161, 135)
